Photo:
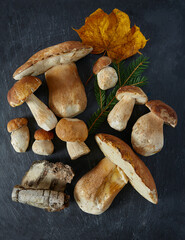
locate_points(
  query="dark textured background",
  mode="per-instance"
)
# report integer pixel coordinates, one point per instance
(29, 26)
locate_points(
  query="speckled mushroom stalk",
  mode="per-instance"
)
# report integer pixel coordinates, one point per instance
(20, 135)
(128, 96)
(74, 132)
(147, 133)
(22, 91)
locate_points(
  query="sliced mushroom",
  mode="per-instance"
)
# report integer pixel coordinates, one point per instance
(74, 132)
(128, 96)
(45, 59)
(22, 91)
(96, 190)
(43, 144)
(20, 135)
(67, 97)
(122, 155)
(147, 133)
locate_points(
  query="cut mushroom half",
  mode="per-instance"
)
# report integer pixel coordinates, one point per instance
(147, 133)
(96, 190)
(22, 91)
(122, 155)
(74, 132)
(127, 96)
(43, 144)
(20, 135)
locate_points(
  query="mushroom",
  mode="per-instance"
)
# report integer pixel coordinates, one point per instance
(22, 91)
(20, 135)
(106, 76)
(74, 132)
(45, 59)
(121, 112)
(147, 133)
(96, 190)
(67, 97)
(43, 144)
(122, 155)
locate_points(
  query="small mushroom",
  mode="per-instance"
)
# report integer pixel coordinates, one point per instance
(43, 144)
(106, 76)
(22, 91)
(20, 135)
(147, 133)
(128, 96)
(137, 172)
(74, 132)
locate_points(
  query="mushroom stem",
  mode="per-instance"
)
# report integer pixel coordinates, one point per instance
(77, 149)
(120, 114)
(20, 139)
(43, 147)
(147, 134)
(44, 117)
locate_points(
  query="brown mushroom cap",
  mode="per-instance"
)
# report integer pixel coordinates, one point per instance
(72, 130)
(132, 91)
(163, 111)
(41, 134)
(16, 123)
(22, 89)
(101, 63)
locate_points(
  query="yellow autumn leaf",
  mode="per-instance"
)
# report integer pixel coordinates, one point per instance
(112, 33)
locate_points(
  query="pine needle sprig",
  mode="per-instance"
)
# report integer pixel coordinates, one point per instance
(131, 75)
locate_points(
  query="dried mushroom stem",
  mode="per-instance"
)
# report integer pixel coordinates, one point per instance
(77, 149)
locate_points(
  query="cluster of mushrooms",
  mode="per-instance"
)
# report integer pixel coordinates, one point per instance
(96, 190)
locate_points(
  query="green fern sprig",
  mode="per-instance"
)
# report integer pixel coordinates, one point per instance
(99, 94)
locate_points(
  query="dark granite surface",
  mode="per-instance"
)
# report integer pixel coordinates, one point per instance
(28, 26)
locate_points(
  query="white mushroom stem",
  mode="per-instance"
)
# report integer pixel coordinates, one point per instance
(120, 114)
(44, 117)
(77, 149)
(43, 147)
(147, 135)
(20, 139)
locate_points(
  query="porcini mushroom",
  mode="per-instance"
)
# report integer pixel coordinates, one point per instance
(106, 75)
(96, 190)
(43, 144)
(122, 155)
(147, 133)
(128, 96)
(74, 132)
(45, 59)
(67, 97)
(20, 135)
(22, 91)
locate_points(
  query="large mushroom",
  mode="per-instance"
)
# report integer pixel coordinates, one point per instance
(96, 190)
(147, 133)
(122, 155)
(74, 132)
(22, 91)
(20, 135)
(128, 96)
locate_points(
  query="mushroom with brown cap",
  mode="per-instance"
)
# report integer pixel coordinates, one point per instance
(96, 190)
(128, 96)
(122, 155)
(74, 132)
(106, 75)
(20, 135)
(43, 144)
(45, 59)
(22, 91)
(147, 133)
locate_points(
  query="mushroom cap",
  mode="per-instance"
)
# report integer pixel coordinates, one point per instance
(163, 111)
(101, 63)
(72, 130)
(135, 169)
(133, 92)
(22, 89)
(41, 134)
(16, 123)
